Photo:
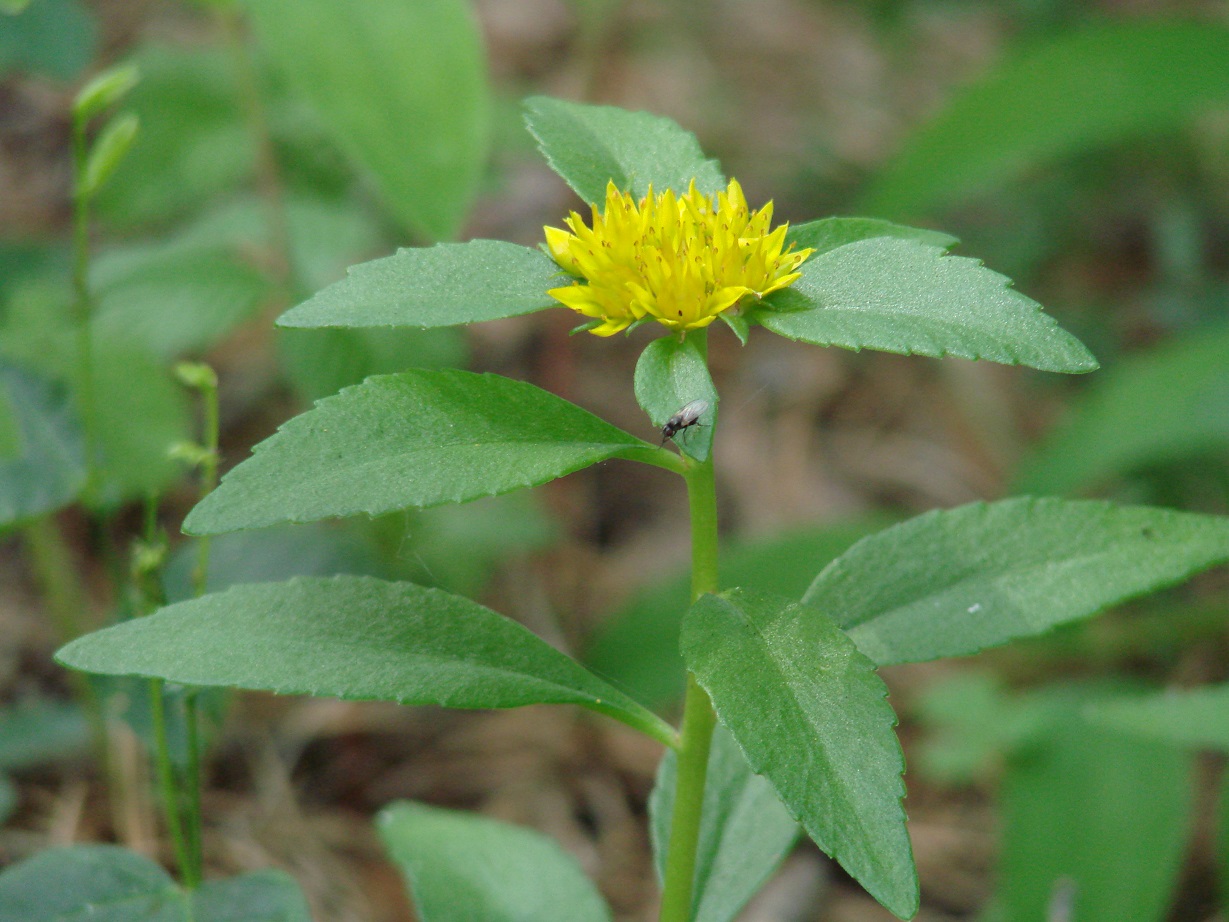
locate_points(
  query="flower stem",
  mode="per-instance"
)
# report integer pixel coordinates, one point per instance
(698, 717)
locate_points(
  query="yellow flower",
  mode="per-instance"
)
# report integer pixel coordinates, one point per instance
(679, 260)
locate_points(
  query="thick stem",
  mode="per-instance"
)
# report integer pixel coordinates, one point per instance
(698, 716)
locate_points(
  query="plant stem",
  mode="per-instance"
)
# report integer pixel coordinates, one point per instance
(188, 870)
(83, 306)
(698, 716)
(209, 475)
(193, 782)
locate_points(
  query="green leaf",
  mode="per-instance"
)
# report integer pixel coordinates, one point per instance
(829, 749)
(953, 582)
(262, 896)
(420, 438)
(1100, 814)
(464, 868)
(444, 285)
(48, 468)
(57, 38)
(903, 296)
(829, 233)
(590, 146)
(637, 647)
(1078, 91)
(1185, 717)
(106, 153)
(41, 731)
(356, 638)
(9, 798)
(101, 883)
(13, 7)
(670, 375)
(401, 88)
(1166, 404)
(745, 830)
(104, 90)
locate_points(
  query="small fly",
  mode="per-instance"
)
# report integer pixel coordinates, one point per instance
(684, 419)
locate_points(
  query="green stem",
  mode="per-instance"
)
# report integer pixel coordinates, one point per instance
(83, 305)
(209, 476)
(193, 782)
(699, 718)
(189, 872)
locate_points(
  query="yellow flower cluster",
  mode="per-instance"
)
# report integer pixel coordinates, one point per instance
(678, 259)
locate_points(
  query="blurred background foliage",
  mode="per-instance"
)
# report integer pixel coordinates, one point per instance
(1082, 149)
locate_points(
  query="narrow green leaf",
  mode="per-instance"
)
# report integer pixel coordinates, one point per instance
(829, 233)
(1197, 718)
(356, 638)
(1075, 92)
(401, 87)
(101, 883)
(953, 582)
(1097, 814)
(107, 151)
(440, 286)
(590, 146)
(104, 90)
(48, 467)
(262, 896)
(902, 296)
(745, 830)
(1169, 403)
(464, 868)
(671, 375)
(420, 438)
(829, 749)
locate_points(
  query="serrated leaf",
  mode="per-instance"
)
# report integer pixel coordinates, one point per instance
(671, 375)
(1165, 404)
(401, 87)
(829, 749)
(1080, 90)
(745, 830)
(953, 582)
(444, 285)
(902, 296)
(1197, 718)
(357, 638)
(462, 867)
(829, 233)
(101, 883)
(47, 469)
(420, 438)
(590, 146)
(261, 896)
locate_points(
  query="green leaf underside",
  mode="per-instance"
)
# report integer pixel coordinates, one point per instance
(1196, 718)
(829, 233)
(419, 438)
(261, 896)
(590, 146)
(355, 638)
(745, 830)
(829, 748)
(1081, 90)
(47, 467)
(953, 582)
(439, 286)
(902, 296)
(463, 868)
(1169, 403)
(669, 375)
(399, 86)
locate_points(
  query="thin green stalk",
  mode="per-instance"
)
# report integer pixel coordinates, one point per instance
(189, 871)
(699, 718)
(193, 782)
(209, 473)
(83, 305)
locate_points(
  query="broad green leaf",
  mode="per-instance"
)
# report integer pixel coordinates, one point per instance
(1076, 92)
(1196, 717)
(40, 731)
(745, 830)
(57, 38)
(670, 375)
(13, 7)
(107, 152)
(829, 748)
(47, 469)
(902, 296)
(590, 146)
(401, 88)
(1169, 403)
(953, 582)
(420, 438)
(463, 868)
(352, 637)
(98, 883)
(637, 647)
(444, 285)
(1099, 814)
(104, 90)
(262, 896)
(829, 233)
